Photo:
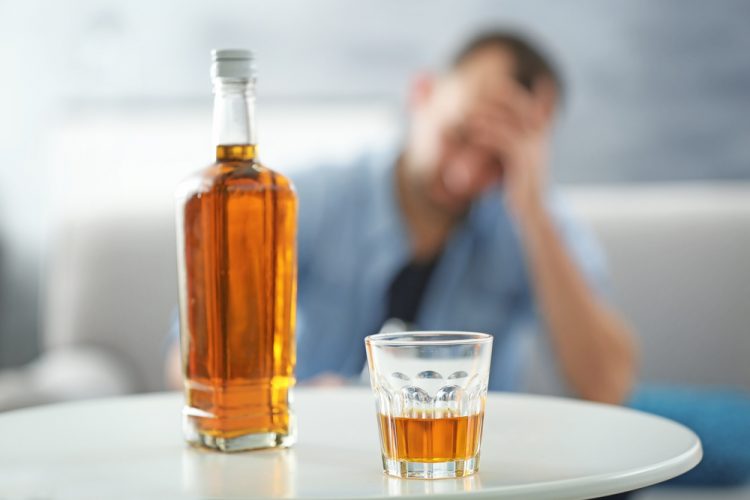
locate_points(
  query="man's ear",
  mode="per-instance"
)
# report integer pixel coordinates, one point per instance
(420, 90)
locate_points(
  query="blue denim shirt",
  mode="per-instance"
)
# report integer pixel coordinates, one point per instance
(353, 242)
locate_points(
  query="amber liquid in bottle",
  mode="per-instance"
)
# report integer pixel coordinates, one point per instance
(238, 268)
(431, 439)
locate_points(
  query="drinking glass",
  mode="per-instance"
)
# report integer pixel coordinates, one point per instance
(430, 390)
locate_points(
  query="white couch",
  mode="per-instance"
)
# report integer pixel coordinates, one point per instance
(680, 266)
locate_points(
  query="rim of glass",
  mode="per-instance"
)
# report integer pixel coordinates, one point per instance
(420, 338)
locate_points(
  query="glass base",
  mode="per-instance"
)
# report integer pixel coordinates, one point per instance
(430, 470)
(244, 442)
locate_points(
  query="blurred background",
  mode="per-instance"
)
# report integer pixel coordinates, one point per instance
(105, 106)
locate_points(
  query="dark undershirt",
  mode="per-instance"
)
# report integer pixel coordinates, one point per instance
(407, 290)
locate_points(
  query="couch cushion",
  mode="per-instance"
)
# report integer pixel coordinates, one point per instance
(680, 261)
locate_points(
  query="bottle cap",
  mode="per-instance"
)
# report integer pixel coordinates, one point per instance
(232, 63)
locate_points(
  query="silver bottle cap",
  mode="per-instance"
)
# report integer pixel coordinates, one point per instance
(232, 63)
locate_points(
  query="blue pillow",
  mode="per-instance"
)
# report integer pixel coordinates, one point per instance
(720, 417)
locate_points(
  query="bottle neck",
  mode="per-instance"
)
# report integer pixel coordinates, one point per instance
(234, 119)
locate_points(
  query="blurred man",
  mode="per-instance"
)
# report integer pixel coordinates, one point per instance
(458, 230)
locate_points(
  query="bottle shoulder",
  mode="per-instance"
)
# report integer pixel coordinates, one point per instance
(236, 176)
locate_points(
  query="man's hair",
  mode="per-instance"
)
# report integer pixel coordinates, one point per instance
(531, 63)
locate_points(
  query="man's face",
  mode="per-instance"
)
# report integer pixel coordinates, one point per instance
(447, 163)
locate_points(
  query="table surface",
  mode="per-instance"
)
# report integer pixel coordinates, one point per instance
(533, 447)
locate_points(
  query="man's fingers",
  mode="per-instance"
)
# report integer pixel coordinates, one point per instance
(500, 115)
(489, 130)
(500, 139)
(524, 109)
(515, 110)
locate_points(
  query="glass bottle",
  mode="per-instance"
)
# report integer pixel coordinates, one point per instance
(236, 235)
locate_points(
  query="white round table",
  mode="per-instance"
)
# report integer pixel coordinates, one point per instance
(533, 447)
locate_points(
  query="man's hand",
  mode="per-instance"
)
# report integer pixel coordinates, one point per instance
(173, 367)
(327, 379)
(517, 130)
